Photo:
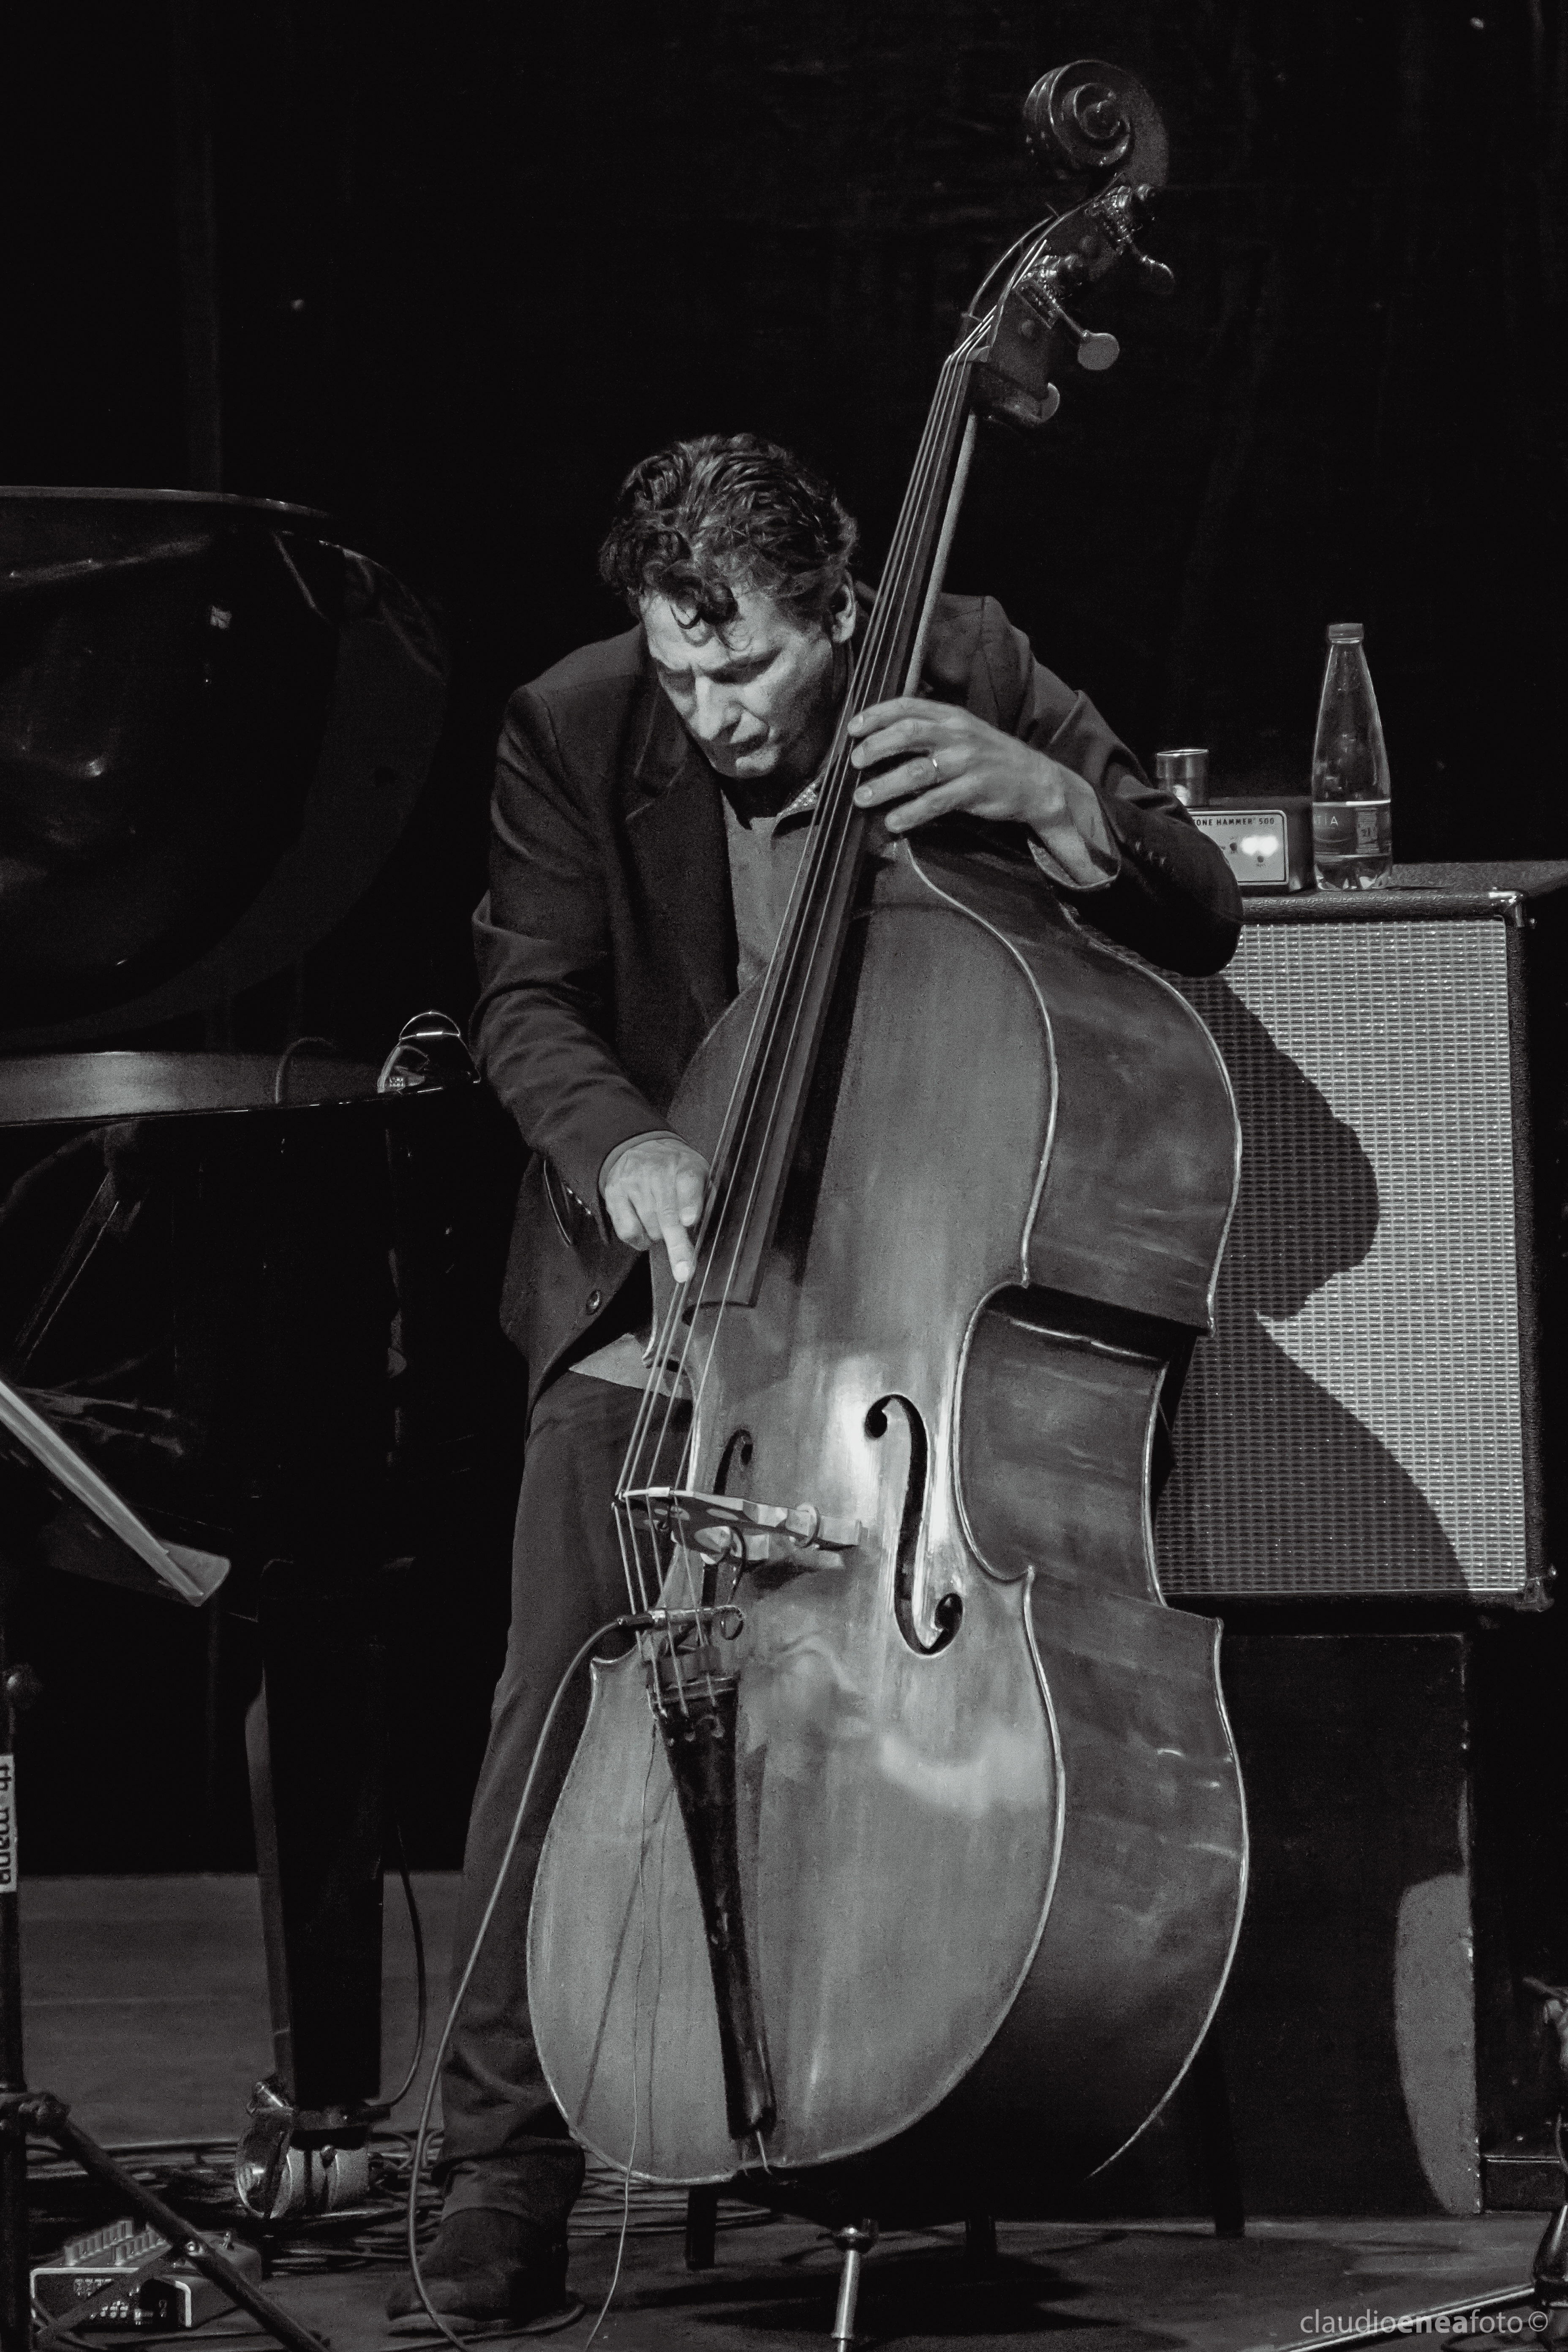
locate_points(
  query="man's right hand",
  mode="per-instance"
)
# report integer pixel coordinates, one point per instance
(653, 1189)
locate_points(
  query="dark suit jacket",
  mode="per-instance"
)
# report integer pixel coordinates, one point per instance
(607, 944)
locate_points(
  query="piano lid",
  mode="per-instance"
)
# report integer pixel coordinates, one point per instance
(215, 721)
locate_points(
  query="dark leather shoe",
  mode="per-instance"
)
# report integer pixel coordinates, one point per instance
(487, 2269)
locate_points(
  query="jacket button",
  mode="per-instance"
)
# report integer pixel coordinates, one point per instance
(593, 1304)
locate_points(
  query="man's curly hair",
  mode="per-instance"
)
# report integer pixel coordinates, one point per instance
(728, 512)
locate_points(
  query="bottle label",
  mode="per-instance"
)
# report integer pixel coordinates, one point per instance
(1350, 828)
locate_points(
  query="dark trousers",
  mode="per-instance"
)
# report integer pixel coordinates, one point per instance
(506, 2146)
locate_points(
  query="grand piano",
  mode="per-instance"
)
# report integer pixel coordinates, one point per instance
(252, 1290)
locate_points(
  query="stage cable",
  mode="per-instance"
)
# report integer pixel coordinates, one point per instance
(417, 1930)
(624, 1624)
(636, 1997)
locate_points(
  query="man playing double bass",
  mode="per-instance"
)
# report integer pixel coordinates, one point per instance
(653, 793)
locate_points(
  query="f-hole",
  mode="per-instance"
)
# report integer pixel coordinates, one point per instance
(948, 1610)
(737, 1451)
(737, 1455)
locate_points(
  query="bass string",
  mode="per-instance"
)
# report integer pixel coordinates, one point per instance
(833, 818)
(839, 780)
(666, 1369)
(766, 1018)
(832, 835)
(827, 839)
(837, 813)
(801, 937)
(833, 840)
(873, 680)
(766, 1013)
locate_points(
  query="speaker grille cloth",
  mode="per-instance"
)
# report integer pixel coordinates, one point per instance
(1353, 1427)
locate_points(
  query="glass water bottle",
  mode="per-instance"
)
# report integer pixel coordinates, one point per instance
(1352, 840)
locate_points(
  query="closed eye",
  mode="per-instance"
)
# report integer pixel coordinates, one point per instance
(679, 681)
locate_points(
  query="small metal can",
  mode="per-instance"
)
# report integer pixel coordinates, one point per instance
(1185, 774)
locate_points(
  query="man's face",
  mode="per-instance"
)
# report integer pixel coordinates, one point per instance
(759, 699)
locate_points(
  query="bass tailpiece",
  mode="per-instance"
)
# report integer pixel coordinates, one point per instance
(699, 1713)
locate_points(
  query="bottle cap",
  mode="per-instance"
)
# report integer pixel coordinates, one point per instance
(1185, 774)
(1346, 633)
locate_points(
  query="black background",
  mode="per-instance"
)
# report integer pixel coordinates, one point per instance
(461, 266)
(472, 262)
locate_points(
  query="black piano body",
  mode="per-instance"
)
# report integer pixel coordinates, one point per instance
(255, 1290)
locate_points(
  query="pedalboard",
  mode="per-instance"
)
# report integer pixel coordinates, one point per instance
(158, 2288)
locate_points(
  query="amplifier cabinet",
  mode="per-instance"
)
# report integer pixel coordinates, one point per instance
(1367, 1419)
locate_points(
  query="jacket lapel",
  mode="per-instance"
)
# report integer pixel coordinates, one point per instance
(675, 837)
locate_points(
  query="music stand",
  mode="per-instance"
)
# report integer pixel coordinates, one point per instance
(57, 1512)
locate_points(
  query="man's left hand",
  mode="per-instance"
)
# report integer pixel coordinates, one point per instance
(947, 760)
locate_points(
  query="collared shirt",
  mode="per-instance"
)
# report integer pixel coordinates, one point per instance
(764, 859)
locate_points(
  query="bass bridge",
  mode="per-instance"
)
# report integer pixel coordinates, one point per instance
(728, 1529)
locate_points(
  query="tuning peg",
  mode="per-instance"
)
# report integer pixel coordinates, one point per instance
(1161, 278)
(1095, 351)
(1121, 210)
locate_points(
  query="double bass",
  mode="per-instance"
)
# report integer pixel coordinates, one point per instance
(902, 1858)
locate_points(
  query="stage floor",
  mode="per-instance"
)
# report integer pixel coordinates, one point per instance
(147, 2010)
